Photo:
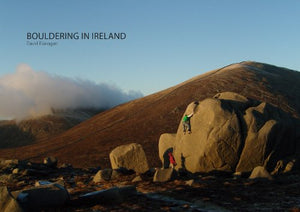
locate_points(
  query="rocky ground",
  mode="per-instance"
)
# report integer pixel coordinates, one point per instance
(201, 192)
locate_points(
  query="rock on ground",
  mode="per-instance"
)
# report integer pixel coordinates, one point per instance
(103, 175)
(215, 140)
(131, 157)
(233, 133)
(48, 195)
(164, 175)
(260, 172)
(50, 161)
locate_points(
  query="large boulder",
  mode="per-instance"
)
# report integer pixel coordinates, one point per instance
(131, 157)
(215, 141)
(7, 202)
(233, 133)
(270, 137)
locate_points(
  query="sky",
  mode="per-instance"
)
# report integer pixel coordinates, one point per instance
(167, 41)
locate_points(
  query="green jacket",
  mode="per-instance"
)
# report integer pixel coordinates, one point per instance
(186, 118)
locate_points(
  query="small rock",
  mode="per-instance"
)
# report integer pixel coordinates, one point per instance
(50, 162)
(66, 166)
(103, 175)
(25, 172)
(21, 183)
(137, 179)
(290, 166)
(190, 182)
(238, 175)
(16, 171)
(260, 172)
(6, 163)
(164, 175)
(6, 178)
(42, 183)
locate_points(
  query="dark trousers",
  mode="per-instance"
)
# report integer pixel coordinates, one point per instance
(186, 126)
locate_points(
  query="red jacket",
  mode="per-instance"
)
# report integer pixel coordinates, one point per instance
(172, 159)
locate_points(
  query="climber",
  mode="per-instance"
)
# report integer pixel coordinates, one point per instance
(186, 123)
(172, 160)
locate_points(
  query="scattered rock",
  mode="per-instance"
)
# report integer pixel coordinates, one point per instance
(131, 157)
(291, 166)
(7, 202)
(50, 162)
(278, 168)
(66, 166)
(190, 182)
(237, 175)
(164, 175)
(42, 183)
(137, 179)
(103, 175)
(6, 178)
(16, 171)
(260, 172)
(6, 163)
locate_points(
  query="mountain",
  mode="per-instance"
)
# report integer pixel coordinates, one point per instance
(145, 119)
(33, 130)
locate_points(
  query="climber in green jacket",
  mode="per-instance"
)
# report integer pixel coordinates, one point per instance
(186, 123)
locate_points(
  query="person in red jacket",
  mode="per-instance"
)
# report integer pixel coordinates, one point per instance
(172, 160)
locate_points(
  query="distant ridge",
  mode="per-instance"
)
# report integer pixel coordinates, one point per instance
(145, 119)
(16, 133)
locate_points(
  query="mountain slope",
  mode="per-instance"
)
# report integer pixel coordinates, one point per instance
(145, 119)
(33, 130)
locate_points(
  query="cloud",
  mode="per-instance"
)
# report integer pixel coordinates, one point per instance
(33, 93)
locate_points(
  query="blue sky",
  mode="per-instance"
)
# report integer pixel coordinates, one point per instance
(167, 41)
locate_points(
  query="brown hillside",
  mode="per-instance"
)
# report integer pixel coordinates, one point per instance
(145, 119)
(33, 130)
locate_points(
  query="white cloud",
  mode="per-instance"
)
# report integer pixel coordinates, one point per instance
(32, 93)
